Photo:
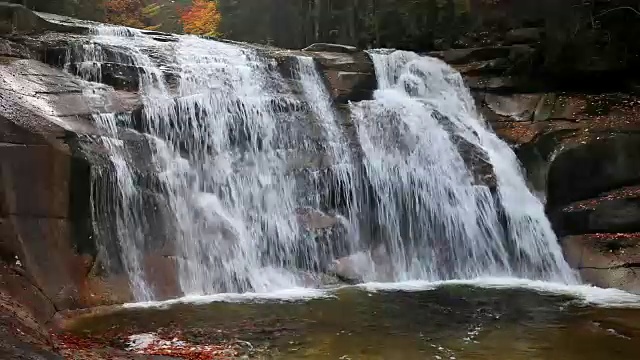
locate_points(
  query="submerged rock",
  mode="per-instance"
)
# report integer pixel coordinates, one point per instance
(363, 265)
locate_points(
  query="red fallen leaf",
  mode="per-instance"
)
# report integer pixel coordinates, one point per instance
(631, 192)
(68, 341)
(185, 351)
(613, 236)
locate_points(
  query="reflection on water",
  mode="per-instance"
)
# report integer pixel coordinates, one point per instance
(450, 322)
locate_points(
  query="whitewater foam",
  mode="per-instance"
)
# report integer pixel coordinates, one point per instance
(587, 295)
(293, 294)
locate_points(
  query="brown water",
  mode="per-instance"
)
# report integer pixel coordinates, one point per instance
(451, 322)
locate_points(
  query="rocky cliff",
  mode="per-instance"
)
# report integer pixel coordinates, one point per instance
(49, 255)
(575, 129)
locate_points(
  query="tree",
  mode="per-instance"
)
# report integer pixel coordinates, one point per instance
(201, 18)
(139, 14)
(124, 12)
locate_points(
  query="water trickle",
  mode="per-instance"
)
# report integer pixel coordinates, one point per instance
(344, 172)
(118, 204)
(439, 221)
(126, 210)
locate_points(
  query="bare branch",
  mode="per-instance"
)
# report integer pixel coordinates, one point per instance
(618, 8)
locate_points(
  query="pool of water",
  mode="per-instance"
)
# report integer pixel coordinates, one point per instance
(450, 321)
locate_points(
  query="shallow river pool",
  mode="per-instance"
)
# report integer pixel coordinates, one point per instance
(450, 321)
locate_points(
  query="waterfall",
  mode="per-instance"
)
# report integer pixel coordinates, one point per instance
(224, 136)
(121, 218)
(117, 203)
(439, 221)
(342, 164)
(231, 193)
(424, 189)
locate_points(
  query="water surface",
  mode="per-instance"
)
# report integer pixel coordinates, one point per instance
(452, 321)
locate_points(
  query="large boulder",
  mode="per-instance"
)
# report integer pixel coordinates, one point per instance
(15, 18)
(606, 260)
(23, 336)
(524, 36)
(334, 48)
(350, 76)
(45, 173)
(369, 265)
(586, 169)
(330, 233)
(617, 211)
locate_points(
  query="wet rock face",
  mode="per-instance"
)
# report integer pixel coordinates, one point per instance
(616, 211)
(329, 232)
(333, 48)
(577, 140)
(585, 170)
(23, 311)
(349, 72)
(606, 260)
(45, 174)
(51, 163)
(574, 146)
(580, 152)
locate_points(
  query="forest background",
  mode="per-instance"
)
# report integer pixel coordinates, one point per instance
(573, 33)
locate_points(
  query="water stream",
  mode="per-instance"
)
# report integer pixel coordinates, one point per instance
(441, 222)
(452, 321)
(425, 190)
(255, 182)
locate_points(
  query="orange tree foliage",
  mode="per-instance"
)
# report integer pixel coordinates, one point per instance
(202, 18)
(132, 13)
(124, 12)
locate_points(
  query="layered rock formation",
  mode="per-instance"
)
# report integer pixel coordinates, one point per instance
(49, 255)
(577, 140)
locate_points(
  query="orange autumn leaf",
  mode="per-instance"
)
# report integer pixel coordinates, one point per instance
(202, 18)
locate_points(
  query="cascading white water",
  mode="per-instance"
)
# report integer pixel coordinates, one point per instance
(120, 217)
(438, 222)
(127, 214)
(221, 141)
(225, 128)
(235, 205)
(337, 146)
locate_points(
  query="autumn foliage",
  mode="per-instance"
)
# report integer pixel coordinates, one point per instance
(139, 14)
(124, 12)
(202, 18)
